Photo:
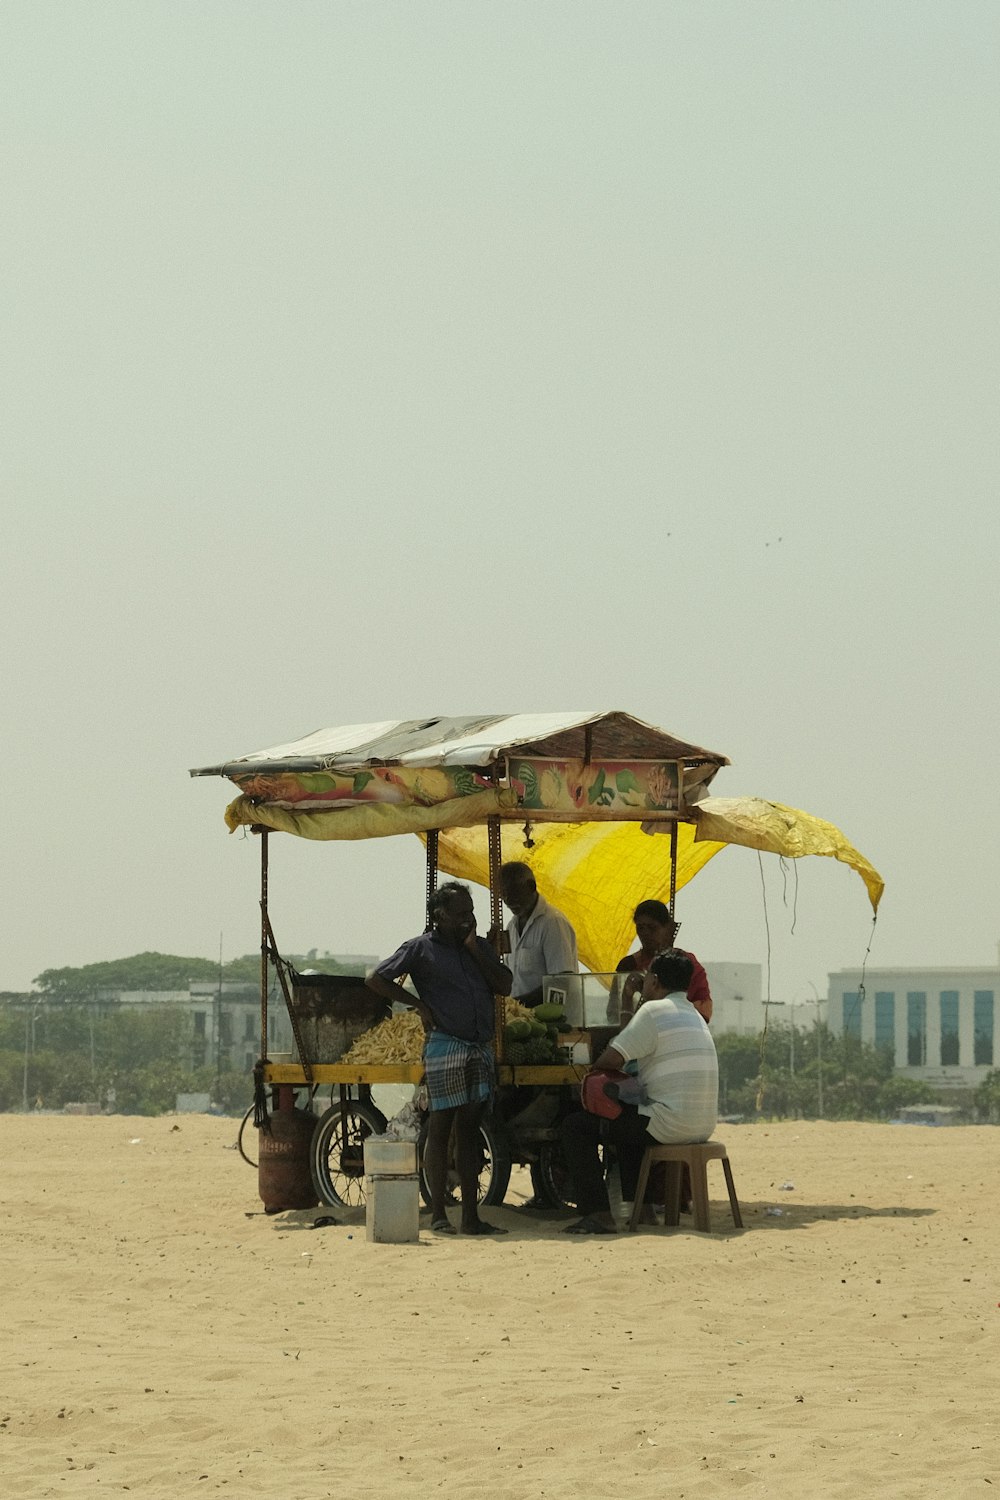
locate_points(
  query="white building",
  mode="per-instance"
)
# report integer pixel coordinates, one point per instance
(737, 1005)
(225, 1020)
(940, 1023)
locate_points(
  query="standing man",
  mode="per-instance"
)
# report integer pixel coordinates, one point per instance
(456, 975)
(541, 940)
(678, 1091)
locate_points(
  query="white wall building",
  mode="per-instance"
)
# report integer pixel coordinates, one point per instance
(940, 1023)
(736, 998)
(225, 1020)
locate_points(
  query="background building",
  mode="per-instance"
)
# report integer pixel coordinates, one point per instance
(940, 1023)
(225, 1018)
(737, 1005)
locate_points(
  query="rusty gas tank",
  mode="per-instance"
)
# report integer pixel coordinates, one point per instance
(283, 1176)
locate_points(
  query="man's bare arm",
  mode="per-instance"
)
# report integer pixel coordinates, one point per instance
(497, 975)
(387, 989)
(609, 1060)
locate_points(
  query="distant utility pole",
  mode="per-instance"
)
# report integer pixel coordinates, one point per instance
(218, 1025)
(27, 1038)
(30, 1016)
(819, 1048)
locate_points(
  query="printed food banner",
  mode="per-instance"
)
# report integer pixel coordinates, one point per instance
(554, 790)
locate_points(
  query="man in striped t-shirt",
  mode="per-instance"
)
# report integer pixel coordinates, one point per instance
(678, 1091)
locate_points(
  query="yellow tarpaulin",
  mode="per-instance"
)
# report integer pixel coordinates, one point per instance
(596, 873)
(778, 829)
(377, 820)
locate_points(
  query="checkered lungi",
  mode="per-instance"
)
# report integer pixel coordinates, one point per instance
(457, 1072)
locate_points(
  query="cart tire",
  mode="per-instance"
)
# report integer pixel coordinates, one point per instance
(247, 1119)
(550, 1179)
(336, 1156)
(495, 1172)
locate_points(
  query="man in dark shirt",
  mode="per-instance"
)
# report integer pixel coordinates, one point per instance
(456, 975)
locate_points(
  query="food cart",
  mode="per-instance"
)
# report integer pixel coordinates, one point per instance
(606, 809)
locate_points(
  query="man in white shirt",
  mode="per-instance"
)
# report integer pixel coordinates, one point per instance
(541, 940)
(678, 1085)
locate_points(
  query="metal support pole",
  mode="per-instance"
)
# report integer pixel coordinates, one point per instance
(496, 922)
(432, 872)
(673, 868)
(265, 928)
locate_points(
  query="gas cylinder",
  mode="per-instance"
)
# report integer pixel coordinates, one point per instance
(283, 1176)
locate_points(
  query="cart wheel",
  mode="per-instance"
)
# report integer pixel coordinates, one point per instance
(550, 1179)
(337, 1157)
(494, 1174)
(241, 1137)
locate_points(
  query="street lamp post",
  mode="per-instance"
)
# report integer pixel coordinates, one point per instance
(772, 1005)
(27, 1041)
(819, 1048)
(30, 1017)
(780, 1005)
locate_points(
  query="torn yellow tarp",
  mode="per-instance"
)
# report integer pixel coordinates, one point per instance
(782, 830)
(595, 873)
(379, 820)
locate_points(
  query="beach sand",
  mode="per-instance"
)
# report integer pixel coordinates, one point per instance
(158, 1340)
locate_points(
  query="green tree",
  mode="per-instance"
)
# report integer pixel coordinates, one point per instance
(896, 1092)
(739, 1061)
(232, 1092)
(987, 1096)
(144, 971)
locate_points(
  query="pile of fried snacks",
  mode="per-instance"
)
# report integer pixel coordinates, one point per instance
(400, 1039)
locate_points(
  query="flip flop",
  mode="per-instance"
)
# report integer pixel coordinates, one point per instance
(441, 1226)
(324, 1222)
(588, 1226)
(483, 1228)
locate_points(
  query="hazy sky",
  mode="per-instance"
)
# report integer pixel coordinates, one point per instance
(365, 361)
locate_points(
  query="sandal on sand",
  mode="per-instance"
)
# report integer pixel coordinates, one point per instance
(483, 1228)
(441, 1226)
(588, 1226)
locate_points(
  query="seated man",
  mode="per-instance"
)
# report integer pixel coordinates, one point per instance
(678, 1091)
(541, 939)
(456, 975)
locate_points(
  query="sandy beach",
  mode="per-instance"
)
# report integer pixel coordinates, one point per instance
(158, 1340)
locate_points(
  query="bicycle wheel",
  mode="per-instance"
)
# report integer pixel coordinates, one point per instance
(550, 1179)
(247, 1119)
(337, 1153)
(494, 1171)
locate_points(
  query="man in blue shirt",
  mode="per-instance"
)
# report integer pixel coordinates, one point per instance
(456, 975)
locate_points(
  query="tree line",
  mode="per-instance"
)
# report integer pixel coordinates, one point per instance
(812, 1072)
(68, 1042)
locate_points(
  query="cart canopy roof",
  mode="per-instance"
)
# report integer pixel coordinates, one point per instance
(575, 795)
(480, 740)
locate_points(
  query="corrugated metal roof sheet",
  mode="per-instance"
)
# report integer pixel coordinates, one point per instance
(470, 741)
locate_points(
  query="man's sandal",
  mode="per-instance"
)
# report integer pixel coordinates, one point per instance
(588, 1226)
